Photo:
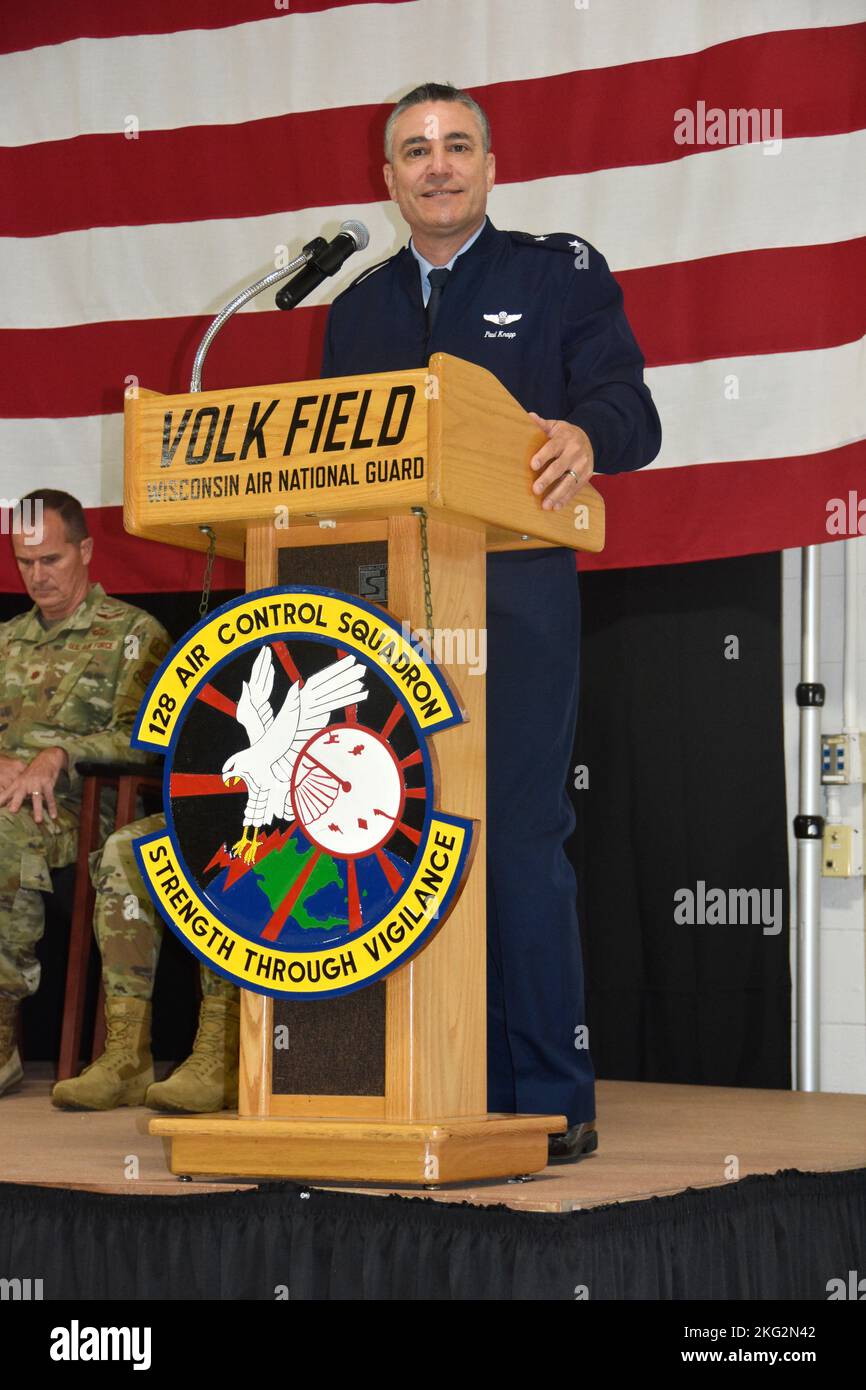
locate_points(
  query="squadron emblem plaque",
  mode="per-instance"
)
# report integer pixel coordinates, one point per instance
(303, 852)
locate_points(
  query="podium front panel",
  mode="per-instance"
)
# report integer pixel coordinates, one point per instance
(332, 1047)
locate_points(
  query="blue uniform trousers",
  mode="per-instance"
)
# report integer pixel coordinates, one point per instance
(537, 1058)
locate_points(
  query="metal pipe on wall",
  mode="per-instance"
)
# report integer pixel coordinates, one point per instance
(809, 827)
(850, 706)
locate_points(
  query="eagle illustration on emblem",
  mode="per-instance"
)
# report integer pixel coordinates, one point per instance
(267, 765)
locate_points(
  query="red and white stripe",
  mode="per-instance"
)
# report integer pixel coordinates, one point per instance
(743, 271)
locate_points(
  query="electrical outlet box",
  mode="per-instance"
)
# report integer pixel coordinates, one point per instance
(841, 759)
(842, 855)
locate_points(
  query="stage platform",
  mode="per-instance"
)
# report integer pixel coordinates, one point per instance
(655, 1141)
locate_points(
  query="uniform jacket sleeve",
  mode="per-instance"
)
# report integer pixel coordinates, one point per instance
(603, 366)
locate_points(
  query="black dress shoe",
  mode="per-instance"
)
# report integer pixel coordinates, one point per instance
(575, 1144)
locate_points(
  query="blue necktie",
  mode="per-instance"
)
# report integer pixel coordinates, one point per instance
(437, 280)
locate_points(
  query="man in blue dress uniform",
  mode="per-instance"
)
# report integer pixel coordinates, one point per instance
(544, 315)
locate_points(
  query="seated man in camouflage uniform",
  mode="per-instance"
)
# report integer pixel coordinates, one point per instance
(73, 671)
(129, 932)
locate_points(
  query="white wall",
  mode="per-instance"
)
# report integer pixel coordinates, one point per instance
(843, 925)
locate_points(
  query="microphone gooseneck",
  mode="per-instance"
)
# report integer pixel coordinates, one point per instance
(275, 276)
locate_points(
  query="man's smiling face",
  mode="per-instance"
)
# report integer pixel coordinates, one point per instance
(439, 176)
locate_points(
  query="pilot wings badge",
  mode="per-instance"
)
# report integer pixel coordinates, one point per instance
(502, 318)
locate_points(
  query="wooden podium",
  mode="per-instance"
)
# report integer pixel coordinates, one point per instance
(332, 482)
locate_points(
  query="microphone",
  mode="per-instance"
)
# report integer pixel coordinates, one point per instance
(352, 236)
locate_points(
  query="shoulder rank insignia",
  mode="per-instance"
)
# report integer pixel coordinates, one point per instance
(553, 241)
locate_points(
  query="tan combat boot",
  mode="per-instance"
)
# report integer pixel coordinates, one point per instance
(11, 1071)
(208, 1079)
(124, 1071)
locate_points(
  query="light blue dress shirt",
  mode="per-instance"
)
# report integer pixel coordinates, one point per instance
(426, 266)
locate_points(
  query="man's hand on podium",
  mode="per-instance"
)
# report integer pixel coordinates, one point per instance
(567, 460)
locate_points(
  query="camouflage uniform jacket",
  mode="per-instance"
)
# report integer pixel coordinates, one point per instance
(77, 685)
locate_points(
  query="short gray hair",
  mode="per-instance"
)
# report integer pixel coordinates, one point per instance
(435, 91)
(68, 508)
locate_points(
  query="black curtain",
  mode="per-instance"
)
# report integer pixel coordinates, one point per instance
(684, 751)
(680, 730)
(767, 1237)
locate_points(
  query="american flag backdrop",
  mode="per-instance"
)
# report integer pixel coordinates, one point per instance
(157, 156)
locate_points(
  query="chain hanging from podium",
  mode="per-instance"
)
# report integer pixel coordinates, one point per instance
(207, 579)
(425, 569)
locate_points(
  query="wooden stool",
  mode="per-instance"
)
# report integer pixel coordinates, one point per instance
(129, 779)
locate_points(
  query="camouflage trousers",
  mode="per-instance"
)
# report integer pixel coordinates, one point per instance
(126, 924)
(28, 853)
